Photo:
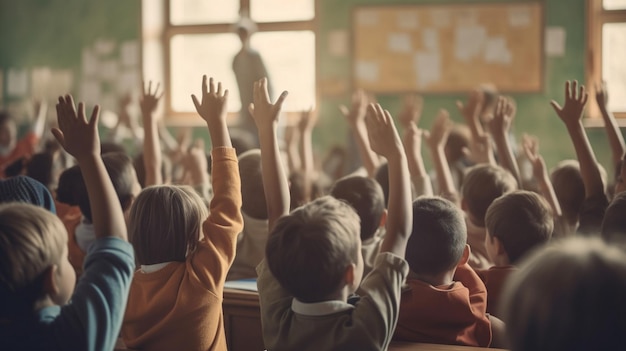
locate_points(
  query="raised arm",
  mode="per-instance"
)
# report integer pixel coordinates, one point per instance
(412, 141)
(79, 137)
(384, 140)
(151, 143)
(471, 113)
(39, 124)
(540, 173)
(275, 184)
(613, 133)
(500, 127)
(436, 140)
(212, 109)
(308, 119)
(571, 114)
(356, 119)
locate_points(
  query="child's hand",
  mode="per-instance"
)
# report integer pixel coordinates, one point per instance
(575, 101)
(149, 99)
(78, 136)
(411, 111)
(413, 138)
(358, 110)
(602, 95)
(440, 130)
(213, 106)
(265, 113)
(530, 145)
(308, 119)
(504, 116)
(196, 163)
(381, 131)
(471, 110)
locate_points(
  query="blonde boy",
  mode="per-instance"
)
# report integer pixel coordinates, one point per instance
(40, 308)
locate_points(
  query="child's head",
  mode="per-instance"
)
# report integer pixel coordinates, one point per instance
(34, 266)
(315, 251)
(252, 193)
(517, 223)
(8, 133)
(458, 140)
(366, 196)
(439, 237)
(28, 190)
(72, 189)
(568, 296)
(614, 222)
(569, 188)
(165, 223)
(482, 184)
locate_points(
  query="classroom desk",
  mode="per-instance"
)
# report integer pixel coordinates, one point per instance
(242, 320)
(411, 346)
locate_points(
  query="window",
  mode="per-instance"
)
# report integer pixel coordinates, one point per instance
(607, 47)
(198, 37)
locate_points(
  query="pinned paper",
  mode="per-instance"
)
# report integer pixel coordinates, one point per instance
(399, 42)
(430, 38)
(440, 18)
(469, 42)
(555, 41)
(519, 17)
(338, 43)
(427, 68)
(90, 63)
(17, 82)
(407, 20)
(367, 18)
(367, 71)
(496, 51)
(129, 53)
(40, 80)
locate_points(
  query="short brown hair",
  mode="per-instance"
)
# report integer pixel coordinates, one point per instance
(569, 188)
(614, 221)
(521, 220)
(309, 250)
(165, 222)
(482, 184)
(31, 240)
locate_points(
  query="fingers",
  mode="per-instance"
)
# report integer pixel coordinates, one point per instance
(211, 86)
(58, 135)
(281, 98)
(555, 105)
(568, 92)
(204, 86)
(95, 116)
(195, 102)
(219, 88)
(251, 108)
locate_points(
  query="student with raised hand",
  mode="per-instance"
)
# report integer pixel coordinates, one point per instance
(412, 140)
(355, 116)
(613, 133)
(313, 264)
(184, 250)
(540, 173)
(151, 144)
(40, 307)
(596, 201)
(436, 140)
(500, 126)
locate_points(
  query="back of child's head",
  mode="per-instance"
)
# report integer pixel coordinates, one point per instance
(614, 222)
(521, 220)
(297, 192)
(31, 240)
(242, 140)
(569, 188)
(482, 184)
(310, 249)
(366, 196)
(252, 193)
(140, 169)
(567, 296)
(438, 237)
(27, 190)
(382, 177)
(72, 190)
(458, 140)
(165, 223)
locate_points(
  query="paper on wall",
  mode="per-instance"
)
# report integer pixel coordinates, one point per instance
(366, 18)
(469, 42)
(496, 51)
(427, 68)
(519, 17)
(555, 41)
(129, 53)
(430, 39)
(90, 63)
(367, 71)
(407, 20)
(399, 42)
(17, 82)
(338, 43)
(40, 82)
(440, 18)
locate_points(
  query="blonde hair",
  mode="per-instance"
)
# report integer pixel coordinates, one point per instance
(31, 240)
(165, 223)
(482, 184)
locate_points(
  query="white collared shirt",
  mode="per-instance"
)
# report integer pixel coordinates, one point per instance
(151, 268)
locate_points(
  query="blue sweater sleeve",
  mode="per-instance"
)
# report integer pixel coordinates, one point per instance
(93, 318)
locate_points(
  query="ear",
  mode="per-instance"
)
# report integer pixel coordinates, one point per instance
(50, 286)
(383, 219)
(465, 256)
(349, 274)
(463, 205)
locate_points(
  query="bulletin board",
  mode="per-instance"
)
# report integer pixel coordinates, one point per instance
(448, 48)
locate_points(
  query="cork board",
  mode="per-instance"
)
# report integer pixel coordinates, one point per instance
(448, 48)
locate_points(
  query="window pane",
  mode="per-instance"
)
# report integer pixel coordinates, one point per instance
(290, 61)
(614, 4)
(203, 11)
(282, 10)
(198, 54)
(613, 68)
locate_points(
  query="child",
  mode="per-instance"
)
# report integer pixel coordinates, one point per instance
(568, 296)
(175, 302)
(36, 278)
(313, 263)
(614, 222)
(28, 190)
(367, 199)
(517, 223)
(436, 308)
(12, 149)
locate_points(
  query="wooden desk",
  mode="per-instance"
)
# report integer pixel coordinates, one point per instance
(412, 346)
(242, 320)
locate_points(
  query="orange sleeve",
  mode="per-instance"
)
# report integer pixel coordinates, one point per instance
(216, 250)
(477, 290)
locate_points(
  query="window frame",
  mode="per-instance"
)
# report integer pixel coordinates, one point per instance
(169, 30)
(597, 16)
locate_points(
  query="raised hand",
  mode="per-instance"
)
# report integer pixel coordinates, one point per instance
(440, 130)
(212, 107)
(471, 111)
(381, 131)
(149, 99)
(264, 112)
(308, 119)
(575, 100)
(411, 111)
(78, 136)
(503, 117)
(412, 139)
(602, 96)
(530, 145)
(357, 110)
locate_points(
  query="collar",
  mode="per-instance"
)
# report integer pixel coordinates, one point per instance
(85, 234)
(323, 308)
(151, 268)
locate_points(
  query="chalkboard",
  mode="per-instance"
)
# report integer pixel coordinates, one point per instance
(448, 48)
